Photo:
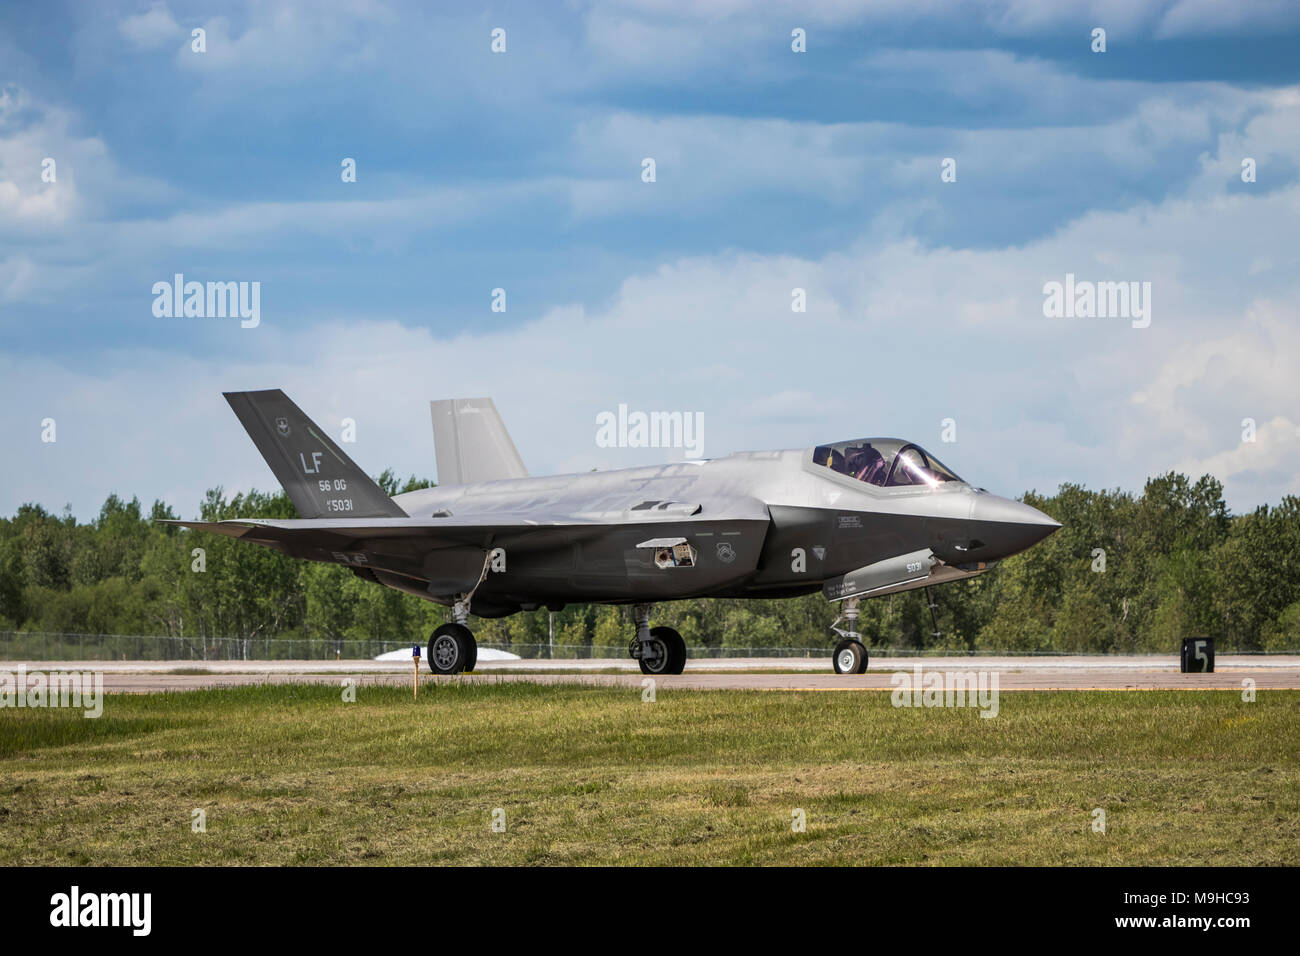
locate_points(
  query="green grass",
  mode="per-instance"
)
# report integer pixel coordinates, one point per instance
(291, 774)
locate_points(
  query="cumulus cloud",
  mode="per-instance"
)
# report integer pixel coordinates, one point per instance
(1231, 399)
(1260, 469)
(151, 29)
(290, 40)
(1182, 18)
(29, 136)
(85, 182)
(905, 325)
(896, 338)
(1016, 18)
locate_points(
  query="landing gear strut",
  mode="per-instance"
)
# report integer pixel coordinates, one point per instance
(452, 648)
(850, 655)
(934, 619)
(659, 650)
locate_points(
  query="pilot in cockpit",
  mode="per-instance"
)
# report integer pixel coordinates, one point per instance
(833, 460)
(866, 464)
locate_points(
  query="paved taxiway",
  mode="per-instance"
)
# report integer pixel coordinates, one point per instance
(813, 674)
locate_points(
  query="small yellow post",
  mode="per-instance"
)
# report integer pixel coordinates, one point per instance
(415, 678)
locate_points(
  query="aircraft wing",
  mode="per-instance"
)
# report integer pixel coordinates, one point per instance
(446, 554)
(459, 530)
(483, 529)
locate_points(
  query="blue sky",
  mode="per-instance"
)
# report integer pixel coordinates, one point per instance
(774, 170)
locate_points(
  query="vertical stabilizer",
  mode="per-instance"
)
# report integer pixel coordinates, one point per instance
(471, 442)
(320, 480)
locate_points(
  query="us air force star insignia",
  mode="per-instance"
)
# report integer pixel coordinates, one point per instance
(726, 553)
(283, 425)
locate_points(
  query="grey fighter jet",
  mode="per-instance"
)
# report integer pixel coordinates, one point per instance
(854, 519)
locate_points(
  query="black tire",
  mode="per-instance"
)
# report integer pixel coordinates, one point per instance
(850, 657)
(673, 659)
(452, 649)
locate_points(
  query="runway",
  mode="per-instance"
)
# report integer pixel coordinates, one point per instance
(1276, 672)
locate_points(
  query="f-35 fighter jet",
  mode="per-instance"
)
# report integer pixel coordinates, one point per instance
(854, 519)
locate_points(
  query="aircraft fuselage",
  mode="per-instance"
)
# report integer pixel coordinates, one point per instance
(760, 524)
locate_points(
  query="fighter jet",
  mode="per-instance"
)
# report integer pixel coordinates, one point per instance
(854, 519)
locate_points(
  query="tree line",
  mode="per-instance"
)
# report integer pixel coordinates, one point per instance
(1126, 573)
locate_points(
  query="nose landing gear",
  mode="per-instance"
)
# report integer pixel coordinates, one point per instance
(850, 655)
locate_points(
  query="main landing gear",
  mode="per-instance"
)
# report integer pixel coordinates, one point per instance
(452, 648)
(850, 653)
(659, 650)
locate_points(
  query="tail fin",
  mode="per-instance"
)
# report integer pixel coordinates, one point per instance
(472, 443)
(320, 480)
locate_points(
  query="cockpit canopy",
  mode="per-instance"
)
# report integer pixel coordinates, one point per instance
(884, 462)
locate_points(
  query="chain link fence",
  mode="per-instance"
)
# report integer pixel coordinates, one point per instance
(47, 646)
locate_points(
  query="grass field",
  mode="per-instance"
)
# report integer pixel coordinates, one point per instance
(293, 775)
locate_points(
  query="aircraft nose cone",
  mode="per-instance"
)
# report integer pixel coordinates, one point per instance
(1008, 527)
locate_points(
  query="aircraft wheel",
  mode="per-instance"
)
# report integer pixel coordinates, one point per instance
(452, 649)
(850, 658)
(672, 656)
(471, 655)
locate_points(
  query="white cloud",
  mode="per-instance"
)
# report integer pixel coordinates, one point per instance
(896, 338)
(25, 143)
(1210, 17)
(291, 40)
(151, 29)
(1165, 18)
(665, 38)
(1266, 467)
(87, 181)
(16, 275)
